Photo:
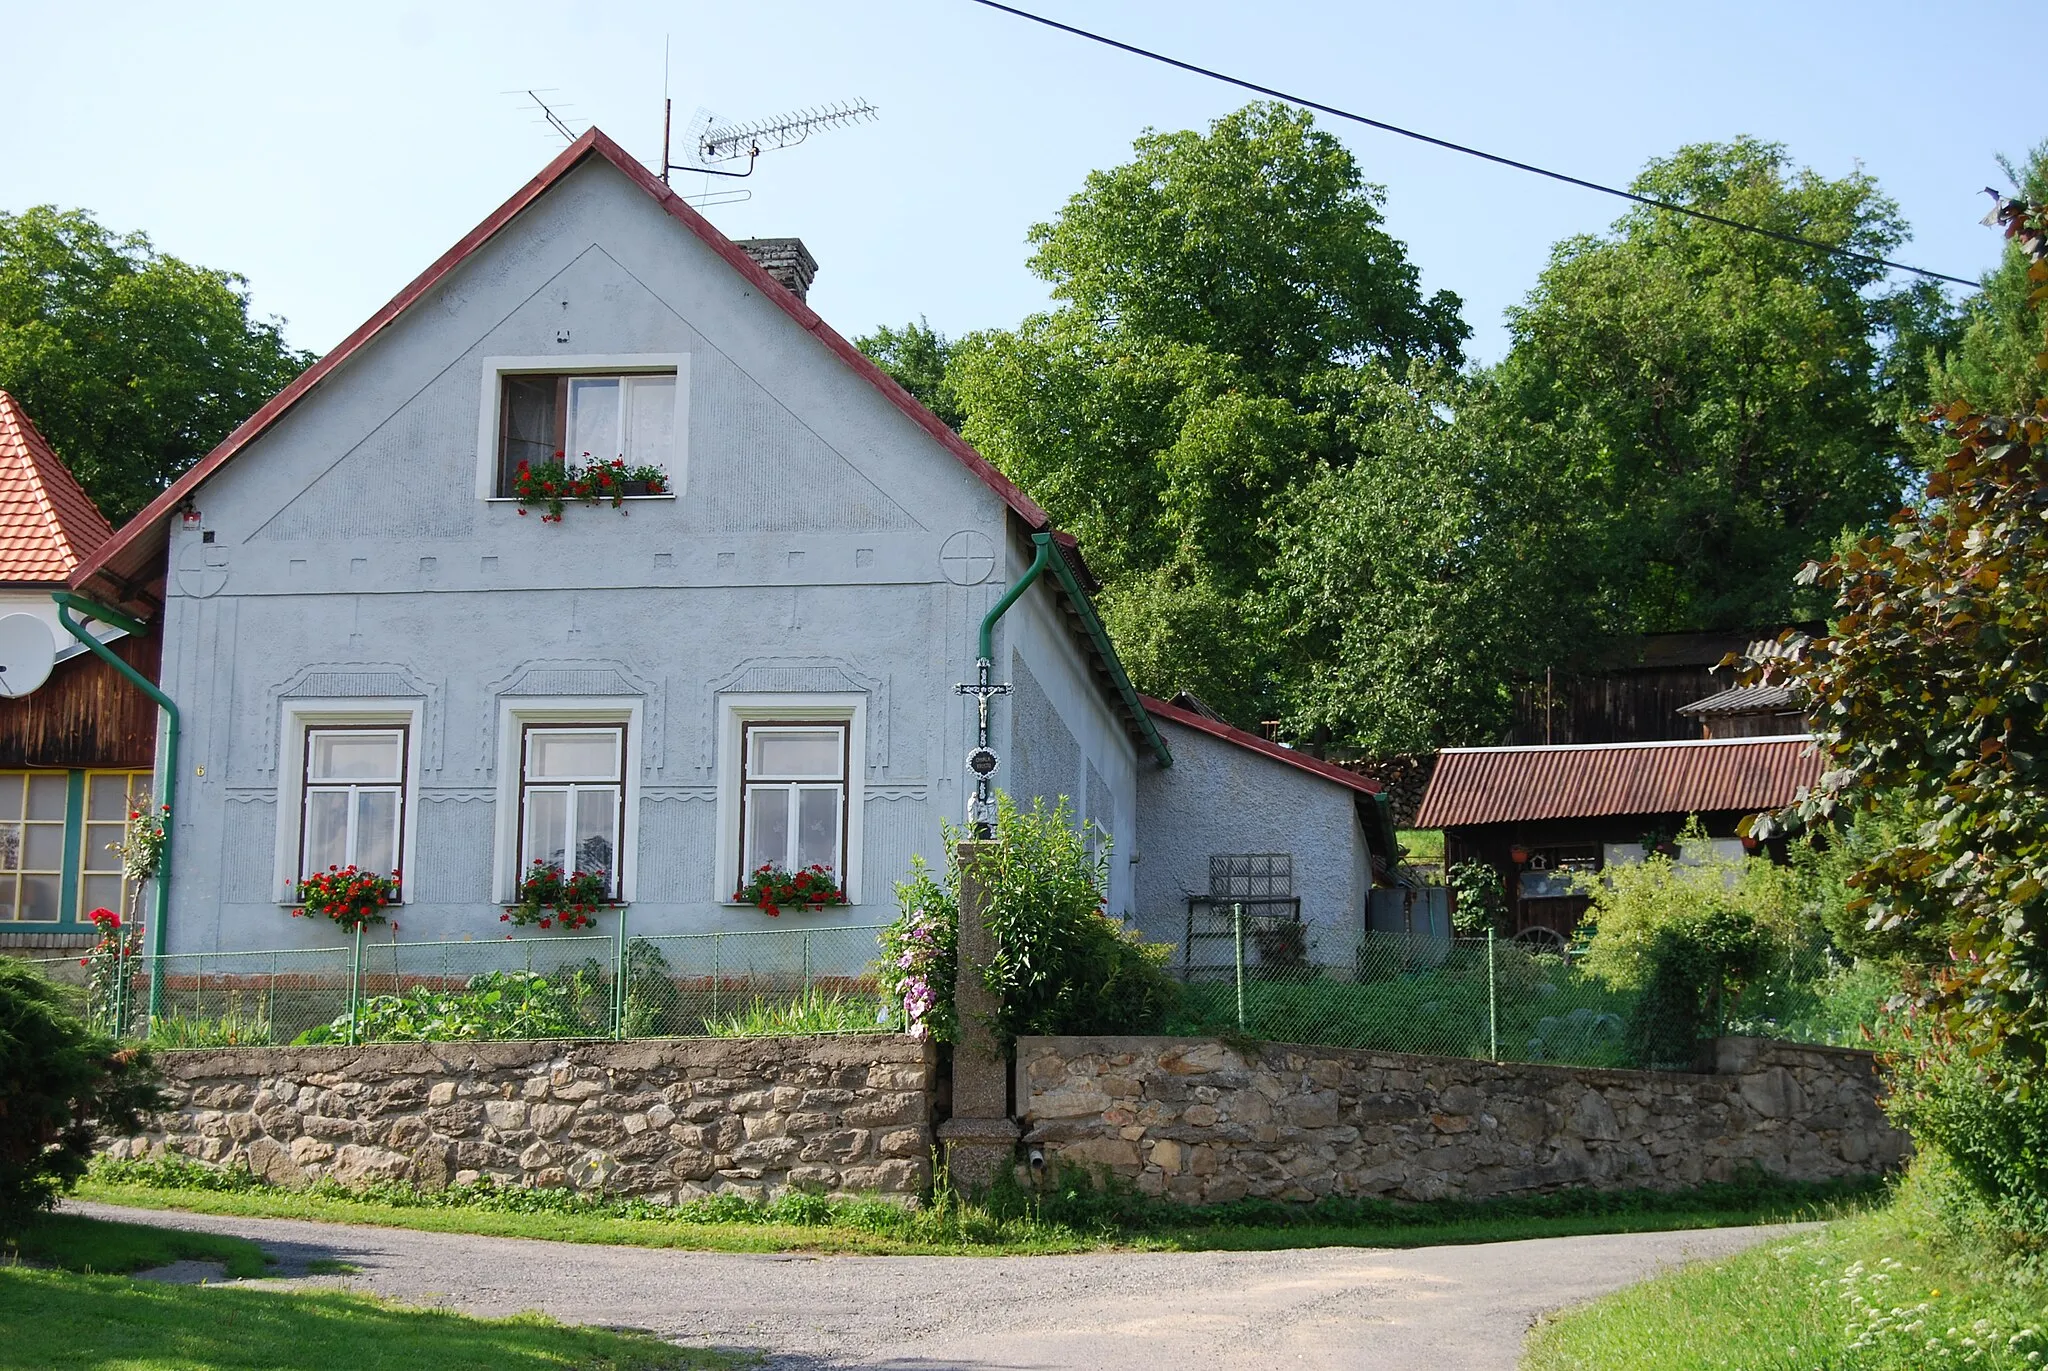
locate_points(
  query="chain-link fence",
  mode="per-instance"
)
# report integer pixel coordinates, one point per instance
(740, 984)
(1502, 1000)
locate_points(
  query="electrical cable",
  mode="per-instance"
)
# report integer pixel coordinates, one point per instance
(1650, 200)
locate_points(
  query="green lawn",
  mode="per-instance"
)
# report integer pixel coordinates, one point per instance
(76, 1243)
(1088, 1220)
(1422, 844)
(58, 1321)
(1877, 1292)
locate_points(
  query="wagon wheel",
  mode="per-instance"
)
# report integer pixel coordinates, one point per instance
(1540, 939)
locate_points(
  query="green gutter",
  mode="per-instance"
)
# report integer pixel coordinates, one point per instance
(67, 601)
(1064, 573)
(985, 644)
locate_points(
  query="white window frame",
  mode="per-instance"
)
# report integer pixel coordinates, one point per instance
(514, 714)
(523, 859)
(738, 709)
(591, 365)
(301, 715)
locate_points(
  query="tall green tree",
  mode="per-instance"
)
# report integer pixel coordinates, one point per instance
(915, 357)
(1212, 298)
(1719, 398)
(1998, 363)
(132, 362)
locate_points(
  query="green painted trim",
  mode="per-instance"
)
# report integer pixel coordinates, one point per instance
(74, 847)
(1064, 574)
(164, 792)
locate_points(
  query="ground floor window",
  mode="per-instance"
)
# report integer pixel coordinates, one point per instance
(793, 797)
(572, 798)
(55, 829)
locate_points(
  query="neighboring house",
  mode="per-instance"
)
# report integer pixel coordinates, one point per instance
(1240, 821)
(1543, 815)
(1639, 695)
(380, 657)
(76, 750)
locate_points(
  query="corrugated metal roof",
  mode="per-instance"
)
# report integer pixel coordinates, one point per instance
(1492, 785)
(48, 524)
(1755, 699)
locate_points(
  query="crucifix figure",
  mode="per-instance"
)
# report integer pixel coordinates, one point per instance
(982, 761)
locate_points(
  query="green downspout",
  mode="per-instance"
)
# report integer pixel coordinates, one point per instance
(985, 644)
(67, 601)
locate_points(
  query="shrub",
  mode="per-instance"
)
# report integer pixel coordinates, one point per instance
(497, 1005)
(1477, 899)
(1994, 1136)
(813, 1013)
(1061, 964)
(60, 1083)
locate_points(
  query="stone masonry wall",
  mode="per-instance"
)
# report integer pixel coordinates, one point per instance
(1198, 1121)
(671, 1120)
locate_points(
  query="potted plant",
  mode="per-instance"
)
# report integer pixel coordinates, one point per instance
(546, 485)
(771, 890)
(348, 895)
(555, 482)
(548, 897)
(646, 480)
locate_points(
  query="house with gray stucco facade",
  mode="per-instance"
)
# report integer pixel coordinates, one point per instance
(379, 655)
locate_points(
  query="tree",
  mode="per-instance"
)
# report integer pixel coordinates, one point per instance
(1998, 363)
(915, 357)
(133, 363)
(1213, 298)
(60, 1083)
(1719, 397)
(1929, 691)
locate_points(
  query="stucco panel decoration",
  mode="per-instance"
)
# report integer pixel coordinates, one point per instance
(593, 676)
(358, 681)
(801, 676)
(202, 569)
(967, 557)
(453, 863)
(416, 500)
(249, 822)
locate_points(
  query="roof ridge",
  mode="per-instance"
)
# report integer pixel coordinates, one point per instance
(1775, 738)
(71, 525)
(593, 142)
(1252, 742)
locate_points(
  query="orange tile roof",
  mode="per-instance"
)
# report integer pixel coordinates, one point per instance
(48, 524)
(1491, 785)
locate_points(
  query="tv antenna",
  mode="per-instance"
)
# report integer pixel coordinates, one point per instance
(547, 113)
(730, 142)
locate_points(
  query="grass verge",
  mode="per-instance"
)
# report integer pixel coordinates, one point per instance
(76, 1243)
(58, 1321)
(1887, 1290)
(1079, 1213)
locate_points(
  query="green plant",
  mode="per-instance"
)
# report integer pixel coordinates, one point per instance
(497, 1005)
(232, 1029)
(142, 844)
(1060, 964)
(555, 482)
(61, 1083)
(1993, 1134)
(1692, 968)
(111, 966)
(813, 1013)
(1478, 903)
(771, 889)
(548, 897)
(350, 897)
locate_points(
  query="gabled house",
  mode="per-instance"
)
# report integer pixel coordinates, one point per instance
(75, 748)
(380, 656)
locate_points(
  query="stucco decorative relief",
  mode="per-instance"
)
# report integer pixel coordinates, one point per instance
(358, 681)
(576, 677)
(801, 676)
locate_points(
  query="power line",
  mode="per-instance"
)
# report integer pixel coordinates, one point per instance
(1306, 103)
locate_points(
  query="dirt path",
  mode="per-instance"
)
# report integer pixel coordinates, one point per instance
(1431, 1309)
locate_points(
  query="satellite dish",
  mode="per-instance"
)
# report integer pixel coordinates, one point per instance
(27, 652)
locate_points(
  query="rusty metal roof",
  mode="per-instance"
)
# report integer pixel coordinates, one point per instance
(1493, 785)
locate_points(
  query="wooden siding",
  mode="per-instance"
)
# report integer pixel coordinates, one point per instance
(86, 715)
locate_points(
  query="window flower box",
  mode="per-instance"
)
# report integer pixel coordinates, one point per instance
(348, 895)
(550, 899)
(771, 889)
(555, 483)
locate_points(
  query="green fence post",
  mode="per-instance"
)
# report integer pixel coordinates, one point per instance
(1237, 939)
(619, 983)
(355, 983)
(1492, 1007)
(117, 1009)
(717, 971)
(807, 963)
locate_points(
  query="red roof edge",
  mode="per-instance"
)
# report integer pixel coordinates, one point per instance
(135, 537)
(1252, 742)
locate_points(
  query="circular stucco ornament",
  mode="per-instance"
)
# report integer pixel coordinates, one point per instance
(202, 570)
(967, 557)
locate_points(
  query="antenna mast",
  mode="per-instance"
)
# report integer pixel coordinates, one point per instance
(730, 142)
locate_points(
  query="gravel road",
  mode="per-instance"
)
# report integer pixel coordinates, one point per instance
(1362, 1309)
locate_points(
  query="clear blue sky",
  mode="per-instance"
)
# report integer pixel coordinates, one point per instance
(329, 153)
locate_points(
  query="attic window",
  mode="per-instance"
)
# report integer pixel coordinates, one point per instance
(584, 417)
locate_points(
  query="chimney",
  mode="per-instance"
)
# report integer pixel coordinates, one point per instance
(785, 259)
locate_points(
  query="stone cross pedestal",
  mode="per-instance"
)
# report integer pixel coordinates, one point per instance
(981, 1137)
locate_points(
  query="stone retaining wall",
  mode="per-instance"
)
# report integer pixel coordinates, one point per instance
(671, 1120)
(1199, 1121)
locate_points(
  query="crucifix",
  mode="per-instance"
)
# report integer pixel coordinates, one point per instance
(982, 761)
